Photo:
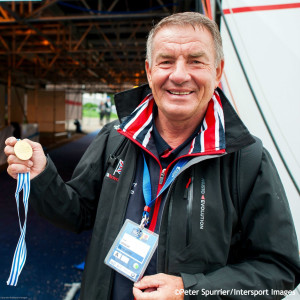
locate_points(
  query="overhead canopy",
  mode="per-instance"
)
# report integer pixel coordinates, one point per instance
(79, 41)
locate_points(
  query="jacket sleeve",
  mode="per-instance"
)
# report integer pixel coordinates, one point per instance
(268, 267)
(72, 205)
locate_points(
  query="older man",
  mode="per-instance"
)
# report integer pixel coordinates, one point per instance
(182, 142)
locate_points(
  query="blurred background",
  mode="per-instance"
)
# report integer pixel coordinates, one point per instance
(61, 62)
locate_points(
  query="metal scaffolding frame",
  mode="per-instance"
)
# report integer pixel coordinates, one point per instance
(99, 44)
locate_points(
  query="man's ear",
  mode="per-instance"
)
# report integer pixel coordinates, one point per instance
(148, 72)
(219, 72)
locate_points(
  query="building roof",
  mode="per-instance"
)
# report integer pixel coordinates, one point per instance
(98, 44)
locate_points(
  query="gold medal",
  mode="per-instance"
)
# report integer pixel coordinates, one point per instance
(23, 150)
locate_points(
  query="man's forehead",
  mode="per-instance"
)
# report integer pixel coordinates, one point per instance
(175, 28)
(182, 34)
(177, 36)
(164, 53)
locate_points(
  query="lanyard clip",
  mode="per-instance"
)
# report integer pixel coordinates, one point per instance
(145, 218)
(144, 223)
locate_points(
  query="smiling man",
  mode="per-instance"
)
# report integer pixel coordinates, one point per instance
(183, 72)
(183, 165)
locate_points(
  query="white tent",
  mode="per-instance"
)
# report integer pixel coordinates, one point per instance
(266, 36)
(262, 73)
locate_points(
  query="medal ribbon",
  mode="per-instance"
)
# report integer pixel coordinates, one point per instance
(147, 184)
(19, 259)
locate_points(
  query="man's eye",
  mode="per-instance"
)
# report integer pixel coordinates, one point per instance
(165, 62)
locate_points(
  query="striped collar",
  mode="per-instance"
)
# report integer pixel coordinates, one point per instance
(138, 127)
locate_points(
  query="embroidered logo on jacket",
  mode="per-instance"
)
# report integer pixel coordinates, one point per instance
(119, 167)
(117, 172)
(202, 204)
(111, 177)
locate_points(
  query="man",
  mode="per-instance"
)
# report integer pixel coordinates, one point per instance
(208, 241)
(102, 109)
(107, 109)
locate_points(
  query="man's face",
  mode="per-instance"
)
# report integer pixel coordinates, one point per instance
(183, 74)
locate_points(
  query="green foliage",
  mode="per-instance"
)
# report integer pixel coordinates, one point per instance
(95, 114)
(90, 110)
(90, 113)
(89, 105)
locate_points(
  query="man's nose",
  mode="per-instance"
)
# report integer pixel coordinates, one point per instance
(179, 73)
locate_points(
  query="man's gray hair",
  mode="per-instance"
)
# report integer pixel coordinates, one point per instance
(183, 19)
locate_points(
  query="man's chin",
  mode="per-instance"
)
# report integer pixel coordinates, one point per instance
(178, 117)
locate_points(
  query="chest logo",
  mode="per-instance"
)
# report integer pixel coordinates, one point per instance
(119, 167)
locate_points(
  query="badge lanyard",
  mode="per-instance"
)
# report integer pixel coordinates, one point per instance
(147, 187)
(19, 259)
(135, 245)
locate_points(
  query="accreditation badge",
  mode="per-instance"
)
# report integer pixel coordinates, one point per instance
(132, 250)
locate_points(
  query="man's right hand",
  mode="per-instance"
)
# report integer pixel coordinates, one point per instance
(35, 165)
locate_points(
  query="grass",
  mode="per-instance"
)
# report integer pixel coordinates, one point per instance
(94, 114)
(90, 113)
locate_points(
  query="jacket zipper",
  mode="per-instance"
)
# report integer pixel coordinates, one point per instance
(166, 262)
(162, 176)
(189, 208)
(161, 180)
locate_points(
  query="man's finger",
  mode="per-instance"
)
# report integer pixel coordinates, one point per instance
(12, 159)
(10, 141)
(9, 150)
(148, 282)
(14, 169)
(32, 143)
(140, 295)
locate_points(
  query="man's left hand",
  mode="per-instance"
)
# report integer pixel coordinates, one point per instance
(159, 286)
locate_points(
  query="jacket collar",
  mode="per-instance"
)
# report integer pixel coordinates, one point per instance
(237, 135)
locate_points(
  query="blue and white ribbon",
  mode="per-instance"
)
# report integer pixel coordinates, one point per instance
(21, 251)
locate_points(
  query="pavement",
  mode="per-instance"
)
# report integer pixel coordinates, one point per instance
(87, 124)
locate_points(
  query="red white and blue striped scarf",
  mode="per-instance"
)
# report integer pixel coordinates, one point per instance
(210, 140)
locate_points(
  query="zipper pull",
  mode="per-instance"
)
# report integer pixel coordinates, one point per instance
(112, 160)
(186, 191)
(162, 176)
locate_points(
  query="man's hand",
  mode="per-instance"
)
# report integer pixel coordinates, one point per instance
(35, 165)
(159, 286)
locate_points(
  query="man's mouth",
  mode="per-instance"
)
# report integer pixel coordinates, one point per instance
(179, 93)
